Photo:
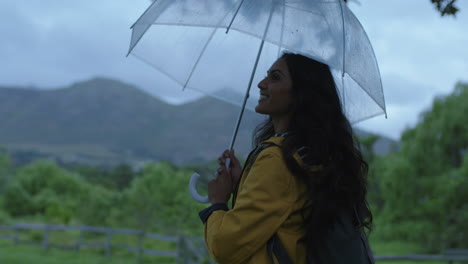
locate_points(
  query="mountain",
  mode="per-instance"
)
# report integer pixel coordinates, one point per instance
(108, 121)
(105, 122)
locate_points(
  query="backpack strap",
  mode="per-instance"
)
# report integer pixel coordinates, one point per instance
(254, 154)
(274, 246)
(249, 162)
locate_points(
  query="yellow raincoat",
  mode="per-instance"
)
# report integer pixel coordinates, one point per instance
(267, 202)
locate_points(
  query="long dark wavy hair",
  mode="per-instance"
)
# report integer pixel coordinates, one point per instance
(320, 132)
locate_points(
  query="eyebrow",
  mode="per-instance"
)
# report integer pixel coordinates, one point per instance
(275, 70)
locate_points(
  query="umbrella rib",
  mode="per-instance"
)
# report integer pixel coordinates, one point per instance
(376, 65)
(146, 29)
(344, 37)
(282, 27)
(214, 96)
(218, 27)
(199, 58)
(159, 69)
(369, 117)
(304, 10)
(344, 54)
(204, 49)
(144, 13)
(247, 93)
(368, 94)
(234, 17)
(187, 25)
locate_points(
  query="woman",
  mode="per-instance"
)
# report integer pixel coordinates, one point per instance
(305, 172)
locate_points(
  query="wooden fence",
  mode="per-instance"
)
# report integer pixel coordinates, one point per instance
(445, 256)
(189, 249)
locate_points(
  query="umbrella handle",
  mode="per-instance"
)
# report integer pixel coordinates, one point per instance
(193, 190)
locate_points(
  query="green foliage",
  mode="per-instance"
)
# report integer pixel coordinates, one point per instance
(43, 188)
(367, 144)
(418, 195)
(16, 201)
(445, 7)
(24, 254)
(97, 205)
(158, 200)
(119, 177)
(374, 194)
(5, 218)
(122, 176)
(5, 169)
(425, 186)
(94, 175)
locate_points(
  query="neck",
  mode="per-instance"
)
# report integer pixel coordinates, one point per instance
(280, 123)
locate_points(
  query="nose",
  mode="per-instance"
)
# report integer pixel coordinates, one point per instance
(262, 84)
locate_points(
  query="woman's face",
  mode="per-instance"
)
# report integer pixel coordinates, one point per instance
(275, 91)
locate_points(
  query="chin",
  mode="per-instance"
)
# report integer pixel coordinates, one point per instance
(259, 110)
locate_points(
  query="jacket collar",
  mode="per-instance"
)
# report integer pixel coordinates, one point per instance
(277, 140)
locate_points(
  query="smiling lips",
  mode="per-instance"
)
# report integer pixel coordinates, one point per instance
(263, 97)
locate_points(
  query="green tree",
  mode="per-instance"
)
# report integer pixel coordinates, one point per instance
(5, 169)
(374, 195)
(94, 175)
(122, 176)
(158, 201)
(424, 185)
(98, 206)
(42, 188)
(445, 7)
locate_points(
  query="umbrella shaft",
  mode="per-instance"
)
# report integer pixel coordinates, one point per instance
(241, 113)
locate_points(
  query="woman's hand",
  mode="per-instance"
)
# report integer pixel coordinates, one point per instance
(220, 188)
(235, 168)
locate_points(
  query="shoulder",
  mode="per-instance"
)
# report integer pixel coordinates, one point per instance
(265, 154)
(270, 166)
(271, 151)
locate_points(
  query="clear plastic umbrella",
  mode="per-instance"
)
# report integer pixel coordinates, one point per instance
(223, 47)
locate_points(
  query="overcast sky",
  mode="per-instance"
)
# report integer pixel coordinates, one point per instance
(54, 43)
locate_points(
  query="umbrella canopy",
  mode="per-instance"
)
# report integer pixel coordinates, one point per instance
(213, 46)
(223, 47)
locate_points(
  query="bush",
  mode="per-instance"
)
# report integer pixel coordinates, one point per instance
(425, 186)
(45, 189)
(158, 200)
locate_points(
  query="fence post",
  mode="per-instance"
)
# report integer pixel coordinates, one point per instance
(17, 235)
(181, 250)
(80, 240)
(109, 244)
(45, 241)
(141, 235)
(185, 254)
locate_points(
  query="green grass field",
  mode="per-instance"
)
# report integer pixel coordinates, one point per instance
(25, 254)
(29, 254)
(398, 248)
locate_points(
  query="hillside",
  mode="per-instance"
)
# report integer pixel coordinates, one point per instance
(106, 122)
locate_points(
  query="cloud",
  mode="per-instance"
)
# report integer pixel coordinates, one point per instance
(400, 91)
(54, 43)
(399, 119)
(59, 42)
(420, 54)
